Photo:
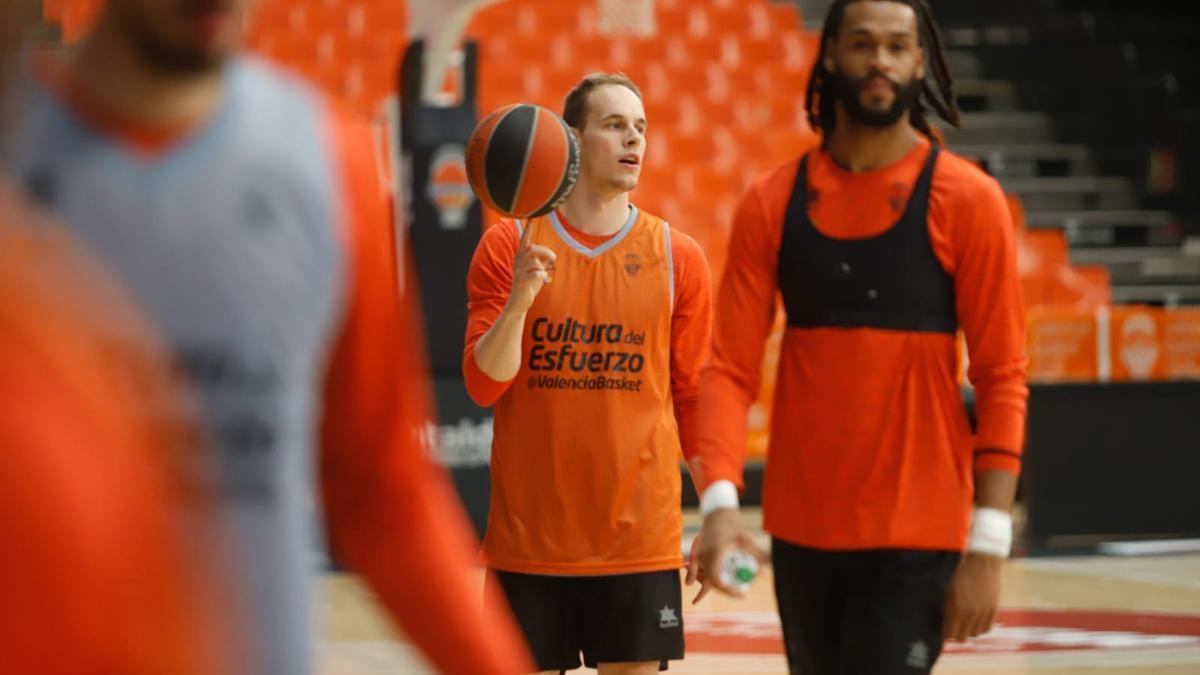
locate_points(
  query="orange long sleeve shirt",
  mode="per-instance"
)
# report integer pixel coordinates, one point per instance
(870, 445)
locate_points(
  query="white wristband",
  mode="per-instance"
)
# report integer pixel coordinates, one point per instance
(991, 532)
(720, 495)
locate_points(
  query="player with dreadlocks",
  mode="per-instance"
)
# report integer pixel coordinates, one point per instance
(889, 519)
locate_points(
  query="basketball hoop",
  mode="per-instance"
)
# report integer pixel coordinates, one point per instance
(627, 17)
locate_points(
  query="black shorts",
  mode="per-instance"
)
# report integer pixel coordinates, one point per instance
(876, 612)
(610, 619)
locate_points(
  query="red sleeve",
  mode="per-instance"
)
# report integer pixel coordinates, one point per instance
(691, 327)
(489, 282)
(979, 232)
(392, 513)
(745, 311)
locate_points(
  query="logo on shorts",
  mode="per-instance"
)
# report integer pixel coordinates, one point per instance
(918, 656)
(667, 618)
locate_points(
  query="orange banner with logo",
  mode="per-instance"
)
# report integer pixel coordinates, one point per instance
(1181, 343)
(1061, 345)
(1136, 338)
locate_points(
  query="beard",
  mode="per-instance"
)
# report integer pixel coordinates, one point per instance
(168, 56)
(171, 59)
(849, 93)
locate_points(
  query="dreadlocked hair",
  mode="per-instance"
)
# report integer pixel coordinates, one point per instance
(820, 98)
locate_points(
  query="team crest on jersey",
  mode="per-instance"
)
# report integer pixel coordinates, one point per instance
(448, 188)
(633, 264)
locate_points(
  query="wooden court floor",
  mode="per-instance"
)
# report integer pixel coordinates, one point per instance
(1088, 615)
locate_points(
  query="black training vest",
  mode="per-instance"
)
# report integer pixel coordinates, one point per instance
(891, 281)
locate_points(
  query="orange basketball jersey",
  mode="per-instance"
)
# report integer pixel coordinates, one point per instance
(586, 453)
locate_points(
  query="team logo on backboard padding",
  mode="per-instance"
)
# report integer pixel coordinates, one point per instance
(1139, 345)
(448, 188)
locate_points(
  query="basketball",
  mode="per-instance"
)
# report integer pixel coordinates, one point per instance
(522, 160)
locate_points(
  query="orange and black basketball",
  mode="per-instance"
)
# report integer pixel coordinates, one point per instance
(522, 161)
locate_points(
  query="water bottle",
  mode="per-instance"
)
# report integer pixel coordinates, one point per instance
(739, 570)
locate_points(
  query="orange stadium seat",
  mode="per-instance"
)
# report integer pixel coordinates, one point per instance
(726, 113)
(1085, 288)
(500, 82)
(656, 144)
(656, 185)
(557, 18)
(558, 80)
(782, 15)
(1041, 251)
(584, 53)
(767, 81)
(779, 110)
(788, 144)
(769, 49)
(809, 46)
(690, 148)
(686, 19)
(635, 54)
(1041, 260)
(705, 180)
(491, 49)
(523, 23)
(351, 49)
(490, 24)
(734, 18)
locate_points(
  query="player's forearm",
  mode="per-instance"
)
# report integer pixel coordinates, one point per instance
(995, 489)
(498, 352)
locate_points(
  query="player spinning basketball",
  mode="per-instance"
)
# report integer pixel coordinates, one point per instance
(882, 245)
(587, 329)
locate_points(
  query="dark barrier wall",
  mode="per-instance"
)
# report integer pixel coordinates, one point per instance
(1117, 461)
(445, 228)
(446, 217)
(1113, 460)
(465, 442)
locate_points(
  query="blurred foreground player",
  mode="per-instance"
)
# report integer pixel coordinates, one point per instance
(586, 329)
(107, 565)
(245, 214)
(882, 245)
(110, 564)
